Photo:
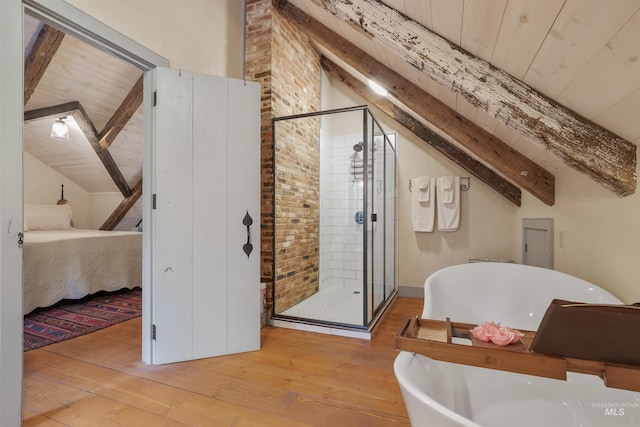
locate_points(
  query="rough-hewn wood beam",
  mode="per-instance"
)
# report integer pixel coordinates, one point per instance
(499, 155)
(56, 111)
(603, 156)
(474, 167)
(42, 51)
(121, 117)
(75, 109)
(125, 205)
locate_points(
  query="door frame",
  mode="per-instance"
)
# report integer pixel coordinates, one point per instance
(74, 22)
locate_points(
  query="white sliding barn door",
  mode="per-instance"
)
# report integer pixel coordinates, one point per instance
(205, 179)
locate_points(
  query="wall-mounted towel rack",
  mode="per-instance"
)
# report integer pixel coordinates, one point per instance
(465, 183)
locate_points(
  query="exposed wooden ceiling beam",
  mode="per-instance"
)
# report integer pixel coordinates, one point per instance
(121, 210)
(603, 156)
(55, 111)
(474, 167)
(496, 153)
(42, 51)
(123, 114)
(84, 122)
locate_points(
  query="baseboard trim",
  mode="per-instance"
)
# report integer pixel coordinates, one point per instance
(411, 292)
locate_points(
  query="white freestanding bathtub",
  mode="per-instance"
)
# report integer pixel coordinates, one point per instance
(445, 394)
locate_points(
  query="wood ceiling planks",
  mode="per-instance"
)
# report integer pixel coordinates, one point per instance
(523, 28)
(577, 35)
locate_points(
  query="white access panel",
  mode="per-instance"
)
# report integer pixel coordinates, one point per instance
(537, 242)
(206, 177)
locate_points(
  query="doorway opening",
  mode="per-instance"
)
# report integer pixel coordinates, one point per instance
(71, 21)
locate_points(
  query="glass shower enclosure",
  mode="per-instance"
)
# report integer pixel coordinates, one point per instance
(334, 235)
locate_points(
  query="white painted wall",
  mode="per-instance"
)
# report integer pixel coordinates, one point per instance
(42, 187)
(486, 218)
(601, 233)
(101, 206)
(194, 35)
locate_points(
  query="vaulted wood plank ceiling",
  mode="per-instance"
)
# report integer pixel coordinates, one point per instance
(548, 49)
(66, 77)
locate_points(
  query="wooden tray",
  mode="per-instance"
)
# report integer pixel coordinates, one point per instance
(433, 338)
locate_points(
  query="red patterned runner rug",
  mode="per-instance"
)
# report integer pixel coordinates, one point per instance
(70, 319)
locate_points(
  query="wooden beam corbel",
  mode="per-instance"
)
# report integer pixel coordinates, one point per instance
(590, 149)
(42, 51)
(122, 115)
(496, 153)
(125, 205)
(86, 126)
(474, 167)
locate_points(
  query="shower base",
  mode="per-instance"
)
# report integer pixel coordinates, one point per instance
(335, 304)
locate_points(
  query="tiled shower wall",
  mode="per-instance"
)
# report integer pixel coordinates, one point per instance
(341, 238)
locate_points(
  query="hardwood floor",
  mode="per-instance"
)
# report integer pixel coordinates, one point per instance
(296, 379)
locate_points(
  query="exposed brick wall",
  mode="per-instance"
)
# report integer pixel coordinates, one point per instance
(258, 68)
(283, 61)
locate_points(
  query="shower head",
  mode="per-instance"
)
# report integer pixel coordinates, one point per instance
(358, 147)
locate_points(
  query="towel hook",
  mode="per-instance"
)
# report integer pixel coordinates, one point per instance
(465, 183)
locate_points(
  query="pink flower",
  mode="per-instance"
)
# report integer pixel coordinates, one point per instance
(499, 335)
(484, 331)
(502, 336)
(516, 336)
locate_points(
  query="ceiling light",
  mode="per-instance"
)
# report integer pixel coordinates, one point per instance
(59, 130)
(377, 88)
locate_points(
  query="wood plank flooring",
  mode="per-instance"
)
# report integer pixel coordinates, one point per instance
(297, 379)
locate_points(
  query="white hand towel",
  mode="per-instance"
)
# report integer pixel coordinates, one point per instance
(422, 213)
(448, 213)
(424, 189)
(446, 184)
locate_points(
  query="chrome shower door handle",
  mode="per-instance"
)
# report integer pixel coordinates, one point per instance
(247, 221)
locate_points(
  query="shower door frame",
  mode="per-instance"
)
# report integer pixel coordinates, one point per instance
(370, 312)
(373, 311)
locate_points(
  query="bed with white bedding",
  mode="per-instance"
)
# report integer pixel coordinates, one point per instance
(72, 263)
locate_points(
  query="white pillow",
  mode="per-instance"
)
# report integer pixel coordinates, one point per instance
(47, 217)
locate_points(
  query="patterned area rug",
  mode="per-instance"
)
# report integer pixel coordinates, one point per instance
(70, 319)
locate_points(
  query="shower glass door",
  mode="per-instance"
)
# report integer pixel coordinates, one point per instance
(390, 225)
(375, 229)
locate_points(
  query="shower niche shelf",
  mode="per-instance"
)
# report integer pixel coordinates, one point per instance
(434, 339)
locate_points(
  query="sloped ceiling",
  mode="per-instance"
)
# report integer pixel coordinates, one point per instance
(99, 83)
(582, 54)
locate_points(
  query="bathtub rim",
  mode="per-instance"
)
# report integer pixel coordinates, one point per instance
(402, 360)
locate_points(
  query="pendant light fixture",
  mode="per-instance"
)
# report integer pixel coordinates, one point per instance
(59, 130)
